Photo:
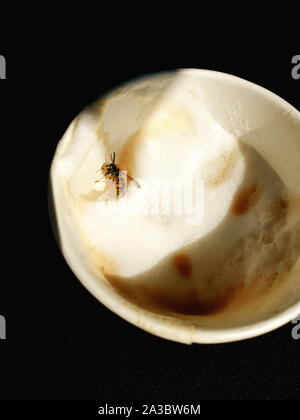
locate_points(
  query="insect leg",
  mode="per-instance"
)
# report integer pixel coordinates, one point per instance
(103, 176)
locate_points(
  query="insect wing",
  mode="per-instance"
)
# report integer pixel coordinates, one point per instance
(134, 181)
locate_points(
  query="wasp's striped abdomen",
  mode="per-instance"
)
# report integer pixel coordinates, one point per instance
(117, 184)
(121, 184)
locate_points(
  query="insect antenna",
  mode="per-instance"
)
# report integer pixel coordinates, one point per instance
(112, 157)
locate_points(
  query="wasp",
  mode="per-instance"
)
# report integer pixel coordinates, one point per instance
(118, 178)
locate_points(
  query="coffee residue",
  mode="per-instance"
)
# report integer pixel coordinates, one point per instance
(245, 200)
(183, 265)
(279, 208)
(189, 302)
(221, 169)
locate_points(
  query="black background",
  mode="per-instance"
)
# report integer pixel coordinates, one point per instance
(61, 342)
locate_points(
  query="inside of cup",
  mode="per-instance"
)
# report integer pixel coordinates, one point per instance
(241, 265)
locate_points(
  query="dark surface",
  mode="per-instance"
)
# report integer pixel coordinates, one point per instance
(61, 342)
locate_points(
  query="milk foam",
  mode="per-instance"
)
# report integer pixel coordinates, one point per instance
(162, 132)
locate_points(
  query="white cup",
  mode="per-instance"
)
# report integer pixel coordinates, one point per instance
(257, 117)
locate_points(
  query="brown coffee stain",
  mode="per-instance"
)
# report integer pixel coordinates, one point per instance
(187, 303)
(279, 208)
(245, 200)
(183, 265)
(240, 292)
(221, 169)
(102, 262)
